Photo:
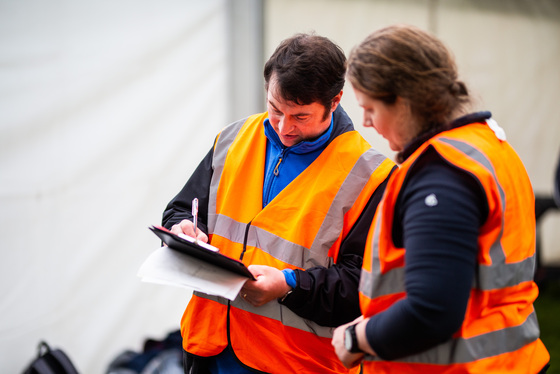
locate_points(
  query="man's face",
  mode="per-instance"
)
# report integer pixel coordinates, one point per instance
(294, 123)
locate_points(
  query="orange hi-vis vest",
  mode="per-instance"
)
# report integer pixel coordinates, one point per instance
(500, 332)
(302, 227)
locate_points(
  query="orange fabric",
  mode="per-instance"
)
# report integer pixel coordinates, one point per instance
(195, 335)
(300, 351)
(248, 163)
(488, 310)
(516, 304)
(296, 215)
(528, 360)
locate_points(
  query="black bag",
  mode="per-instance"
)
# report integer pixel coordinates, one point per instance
(50, 361)
(157, 357)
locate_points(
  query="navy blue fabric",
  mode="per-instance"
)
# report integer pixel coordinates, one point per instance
(225, 362)
(438, 215)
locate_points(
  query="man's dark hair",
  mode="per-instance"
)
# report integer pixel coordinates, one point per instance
(308, 68)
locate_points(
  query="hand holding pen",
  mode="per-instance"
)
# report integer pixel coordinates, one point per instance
(190, 228)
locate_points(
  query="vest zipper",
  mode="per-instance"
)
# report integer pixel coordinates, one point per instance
(245, 240)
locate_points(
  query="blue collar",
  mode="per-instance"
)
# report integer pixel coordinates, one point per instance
(302, 147)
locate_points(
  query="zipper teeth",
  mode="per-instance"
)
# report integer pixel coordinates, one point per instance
(245, 240)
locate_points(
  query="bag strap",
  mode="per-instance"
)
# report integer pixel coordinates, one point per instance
(41, 366)
(64, 361)
(42, 349)
(44, 361)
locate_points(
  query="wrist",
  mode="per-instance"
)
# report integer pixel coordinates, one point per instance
(286, 295)
(351, 342)
(290, 277)
(361, 335)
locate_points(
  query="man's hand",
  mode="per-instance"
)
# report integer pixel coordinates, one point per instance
(186, 227)
(270, 284)
(348, 359)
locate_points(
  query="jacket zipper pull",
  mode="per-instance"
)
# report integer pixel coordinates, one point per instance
(276, 168)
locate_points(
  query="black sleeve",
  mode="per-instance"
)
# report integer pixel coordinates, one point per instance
(197, 186)
(329, 296)
(441, 210)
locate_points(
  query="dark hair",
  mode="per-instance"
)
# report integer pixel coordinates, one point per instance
(408, 62)
(308, 68)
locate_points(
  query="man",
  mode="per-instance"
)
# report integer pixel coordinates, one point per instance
(291, 193)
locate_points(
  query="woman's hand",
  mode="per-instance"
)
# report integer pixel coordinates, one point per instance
(347, 358)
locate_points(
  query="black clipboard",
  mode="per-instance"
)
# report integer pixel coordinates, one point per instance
(191, 248)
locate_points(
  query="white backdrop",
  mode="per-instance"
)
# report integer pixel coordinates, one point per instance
(107, 106)
(507, 52)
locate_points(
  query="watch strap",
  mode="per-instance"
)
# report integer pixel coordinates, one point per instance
(354, 346)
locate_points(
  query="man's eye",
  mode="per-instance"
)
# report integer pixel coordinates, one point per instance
(301, 118)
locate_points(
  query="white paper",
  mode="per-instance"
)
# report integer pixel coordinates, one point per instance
(168, 267)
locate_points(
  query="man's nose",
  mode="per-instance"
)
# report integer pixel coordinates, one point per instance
(285, 125)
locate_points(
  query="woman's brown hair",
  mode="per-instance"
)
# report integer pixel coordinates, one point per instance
(405, 61)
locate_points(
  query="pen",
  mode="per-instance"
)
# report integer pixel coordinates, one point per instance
(194, 211)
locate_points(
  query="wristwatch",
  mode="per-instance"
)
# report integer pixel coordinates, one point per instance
(351, 340)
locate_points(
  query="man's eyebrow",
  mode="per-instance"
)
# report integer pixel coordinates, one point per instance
(294, 114)
(272, 104)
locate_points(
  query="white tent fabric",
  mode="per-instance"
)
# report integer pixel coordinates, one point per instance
(107, 107)
(506, 51)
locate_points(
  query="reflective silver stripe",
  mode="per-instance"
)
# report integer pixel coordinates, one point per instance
(500, 274)
(229, 228)
(218, 299)
(461, 350)
(280, 248)
(278, 312)
(489, 277)
(295, 254)
(496, 276)
(505, 275)
(373, 284)
(345, 198)
(284, 250)
(226, 138)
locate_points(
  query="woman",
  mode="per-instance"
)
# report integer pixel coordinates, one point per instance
(447, 280)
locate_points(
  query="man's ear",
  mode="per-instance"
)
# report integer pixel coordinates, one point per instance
(336, 101)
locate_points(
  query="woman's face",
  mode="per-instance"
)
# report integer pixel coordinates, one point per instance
(392, 121)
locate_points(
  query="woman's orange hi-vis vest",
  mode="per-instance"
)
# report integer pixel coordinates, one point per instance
(500, 333)
(301, 227)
